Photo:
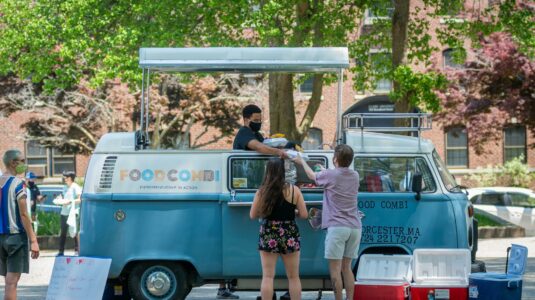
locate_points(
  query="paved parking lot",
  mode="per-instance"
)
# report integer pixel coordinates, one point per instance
(492, 251)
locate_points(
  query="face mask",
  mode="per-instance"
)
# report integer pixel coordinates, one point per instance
(255, 126)
(21, 168)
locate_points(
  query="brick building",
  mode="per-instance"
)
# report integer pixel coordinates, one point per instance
(453, 146)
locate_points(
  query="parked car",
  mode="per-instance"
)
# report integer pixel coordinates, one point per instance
(515, 205)
(49, 191)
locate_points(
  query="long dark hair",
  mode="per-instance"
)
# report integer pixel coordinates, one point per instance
(271, 190)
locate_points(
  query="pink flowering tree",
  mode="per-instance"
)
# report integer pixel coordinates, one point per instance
(494, 89)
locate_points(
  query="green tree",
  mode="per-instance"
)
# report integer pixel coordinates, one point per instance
(58, 43)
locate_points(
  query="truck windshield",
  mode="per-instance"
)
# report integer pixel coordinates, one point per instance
(392, 174)
(449, 181)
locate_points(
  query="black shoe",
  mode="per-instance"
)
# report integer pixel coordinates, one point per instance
(286, 296)
(226, 294)
(274, 297)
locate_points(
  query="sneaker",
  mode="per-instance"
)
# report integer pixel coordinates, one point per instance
(226, 294)
(60, 254)
(286, 296)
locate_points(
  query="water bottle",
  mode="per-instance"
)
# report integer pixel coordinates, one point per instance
(431, 295)
(290, 171)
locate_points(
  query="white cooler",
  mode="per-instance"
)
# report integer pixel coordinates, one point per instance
(440, 274)
(383, 277)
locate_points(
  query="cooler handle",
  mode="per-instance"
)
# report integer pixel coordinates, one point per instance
(513, 284)
(507, 259)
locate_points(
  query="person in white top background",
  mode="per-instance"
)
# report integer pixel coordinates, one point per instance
(71, 193)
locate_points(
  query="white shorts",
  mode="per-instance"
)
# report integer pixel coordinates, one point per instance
(342, 242)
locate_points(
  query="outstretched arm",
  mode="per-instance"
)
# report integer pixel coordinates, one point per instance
(259, 147)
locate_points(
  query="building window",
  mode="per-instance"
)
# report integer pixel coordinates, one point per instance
(456, 147)
(514, 143)
(449, 60)
(307, 85)
(61, 162)
(48, 162)
(450, 7)
(381, 62)
(380, 9)
(313, 139)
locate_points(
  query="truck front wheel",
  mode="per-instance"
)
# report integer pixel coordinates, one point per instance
(158, 281)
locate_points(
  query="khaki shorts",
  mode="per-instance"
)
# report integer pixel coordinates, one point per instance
(342, 242)
(14, 254)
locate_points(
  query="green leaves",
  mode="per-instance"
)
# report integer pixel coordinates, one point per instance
(419, 88)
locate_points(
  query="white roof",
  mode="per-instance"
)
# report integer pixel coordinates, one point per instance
(373, 143)
(241, 60)
(387, 143)
(116, 142)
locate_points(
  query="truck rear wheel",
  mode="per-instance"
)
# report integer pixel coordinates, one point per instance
(158, 281)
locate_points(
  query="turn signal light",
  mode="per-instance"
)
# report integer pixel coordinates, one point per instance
(470, 211)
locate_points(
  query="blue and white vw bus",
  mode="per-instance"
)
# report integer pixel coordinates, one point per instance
(174, 219)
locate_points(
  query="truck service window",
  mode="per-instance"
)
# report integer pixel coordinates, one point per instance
(392, 174)
(248, 173)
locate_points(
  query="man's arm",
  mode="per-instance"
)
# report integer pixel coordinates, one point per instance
(259, 147)
(27, 224)
(310, 173)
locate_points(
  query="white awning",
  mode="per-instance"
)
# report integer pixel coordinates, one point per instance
(244, 60)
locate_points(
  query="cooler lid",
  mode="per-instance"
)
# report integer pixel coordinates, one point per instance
(441, 266)
(518, 257)
(380, 267)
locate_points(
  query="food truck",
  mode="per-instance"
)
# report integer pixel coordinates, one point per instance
(175, 219)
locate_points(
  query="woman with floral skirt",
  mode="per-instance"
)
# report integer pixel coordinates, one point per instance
(278, 203)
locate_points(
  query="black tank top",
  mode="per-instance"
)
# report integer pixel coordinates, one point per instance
(283, 210)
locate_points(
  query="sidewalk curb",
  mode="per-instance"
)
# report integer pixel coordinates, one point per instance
(490, 232)
(51, 242)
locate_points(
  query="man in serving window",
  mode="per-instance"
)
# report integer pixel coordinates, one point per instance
(249, 136)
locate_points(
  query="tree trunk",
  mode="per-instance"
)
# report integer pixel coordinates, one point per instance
(400, 22)
(313, 106)
(281, 106)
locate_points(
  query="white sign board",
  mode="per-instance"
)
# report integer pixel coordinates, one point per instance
(78, 277)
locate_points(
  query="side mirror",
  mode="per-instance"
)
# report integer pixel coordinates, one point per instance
(417, 185)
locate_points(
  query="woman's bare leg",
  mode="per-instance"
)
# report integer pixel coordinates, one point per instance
(291, 264)
(269, 261)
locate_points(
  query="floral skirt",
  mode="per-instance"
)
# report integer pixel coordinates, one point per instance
(279, 237)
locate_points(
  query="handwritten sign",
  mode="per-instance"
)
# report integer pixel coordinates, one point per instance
(78, 277)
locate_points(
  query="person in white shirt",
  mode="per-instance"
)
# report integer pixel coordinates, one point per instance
(71, 193)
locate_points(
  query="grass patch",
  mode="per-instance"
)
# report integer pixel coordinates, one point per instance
(485, 221)
(49, 223)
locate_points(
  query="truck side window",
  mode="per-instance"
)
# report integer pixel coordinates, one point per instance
(392, 174)
(248, 173)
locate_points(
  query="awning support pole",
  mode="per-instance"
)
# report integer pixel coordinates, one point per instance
(339, 107)
(142, 113)
(147, 107)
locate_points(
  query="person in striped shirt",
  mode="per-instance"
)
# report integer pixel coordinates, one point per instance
(15, 224)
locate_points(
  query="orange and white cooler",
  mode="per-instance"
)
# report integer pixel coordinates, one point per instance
(440, 274)
(383, 277)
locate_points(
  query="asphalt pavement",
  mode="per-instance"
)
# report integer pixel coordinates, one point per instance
(33, 286)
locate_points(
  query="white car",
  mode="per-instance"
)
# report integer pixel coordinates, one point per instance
(515, 205)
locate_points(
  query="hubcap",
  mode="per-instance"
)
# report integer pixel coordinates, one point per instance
(158, 282)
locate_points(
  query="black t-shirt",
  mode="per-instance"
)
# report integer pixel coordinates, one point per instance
(244, 136)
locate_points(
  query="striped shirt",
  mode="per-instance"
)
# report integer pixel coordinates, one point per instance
(11, 190)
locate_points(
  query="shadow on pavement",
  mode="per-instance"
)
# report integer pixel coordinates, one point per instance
(29, 292)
